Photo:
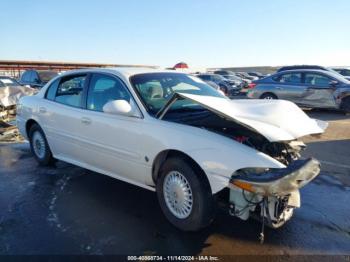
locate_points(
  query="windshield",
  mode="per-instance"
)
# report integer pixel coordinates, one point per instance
(6, 81)
(155, 90)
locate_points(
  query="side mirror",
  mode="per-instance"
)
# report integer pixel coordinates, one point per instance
(121, 107)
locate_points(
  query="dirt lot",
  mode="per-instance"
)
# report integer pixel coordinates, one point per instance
(69, 210)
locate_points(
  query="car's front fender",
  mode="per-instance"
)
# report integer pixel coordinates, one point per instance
(220, 164)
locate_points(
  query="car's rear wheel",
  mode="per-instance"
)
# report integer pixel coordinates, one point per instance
(345, 104)
(39, 146)
(268, 96)
(184, 195)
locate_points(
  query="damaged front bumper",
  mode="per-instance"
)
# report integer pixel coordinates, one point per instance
(270, 195)
(278, 182)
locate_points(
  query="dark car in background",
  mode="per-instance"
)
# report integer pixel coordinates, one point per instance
(312, 67)
(305, 87)
(37, 78)
(225, 86)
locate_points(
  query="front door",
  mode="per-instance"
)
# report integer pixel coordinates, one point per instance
(319, 92)
(111, 143)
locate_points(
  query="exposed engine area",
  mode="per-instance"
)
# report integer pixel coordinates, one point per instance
(284, 152)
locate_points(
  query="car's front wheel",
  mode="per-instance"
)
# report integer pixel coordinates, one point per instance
(184, 195)
(39, 146)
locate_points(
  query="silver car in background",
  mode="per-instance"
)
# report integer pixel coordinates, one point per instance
(307, 88)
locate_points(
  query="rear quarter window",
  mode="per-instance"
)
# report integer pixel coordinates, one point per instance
(51, 91)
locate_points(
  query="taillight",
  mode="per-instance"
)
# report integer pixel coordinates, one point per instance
(251, 85)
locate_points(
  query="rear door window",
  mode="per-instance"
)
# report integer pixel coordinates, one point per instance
(289, 78)
(51, 91)
(70, 90)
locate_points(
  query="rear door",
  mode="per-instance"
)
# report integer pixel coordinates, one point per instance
(60, 116)
(318, 90)
(289, 86)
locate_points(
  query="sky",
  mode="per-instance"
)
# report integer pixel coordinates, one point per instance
(202, 33)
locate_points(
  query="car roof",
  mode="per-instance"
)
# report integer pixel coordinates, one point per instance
(284, 68)
(126, 71)
(304, 70)
(329, 73)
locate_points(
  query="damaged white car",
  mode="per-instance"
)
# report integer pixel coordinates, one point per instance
(10, 93)
(171, 133)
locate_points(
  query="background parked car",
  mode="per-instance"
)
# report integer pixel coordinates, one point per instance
(308, 88)
(295, 67)
(8, 81)
(226, 86)
(215, 86)
(37, 78)
(245, 75)
(232, 76)
(10, 92)
(256, 74)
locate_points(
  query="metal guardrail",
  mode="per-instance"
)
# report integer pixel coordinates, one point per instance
(14, 67)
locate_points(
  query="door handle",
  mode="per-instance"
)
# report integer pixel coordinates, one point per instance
(280, 88)
(86, 121)
(42, 110)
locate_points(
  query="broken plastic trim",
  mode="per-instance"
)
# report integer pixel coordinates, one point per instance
(279, 182)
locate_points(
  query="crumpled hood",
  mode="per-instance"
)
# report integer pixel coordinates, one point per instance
(276, 120)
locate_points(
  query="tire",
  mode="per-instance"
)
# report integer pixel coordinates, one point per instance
(39, 146)
(268, 96)
(345, 104)
(201, 211)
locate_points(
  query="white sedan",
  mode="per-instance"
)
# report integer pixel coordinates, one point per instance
(171, 133)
